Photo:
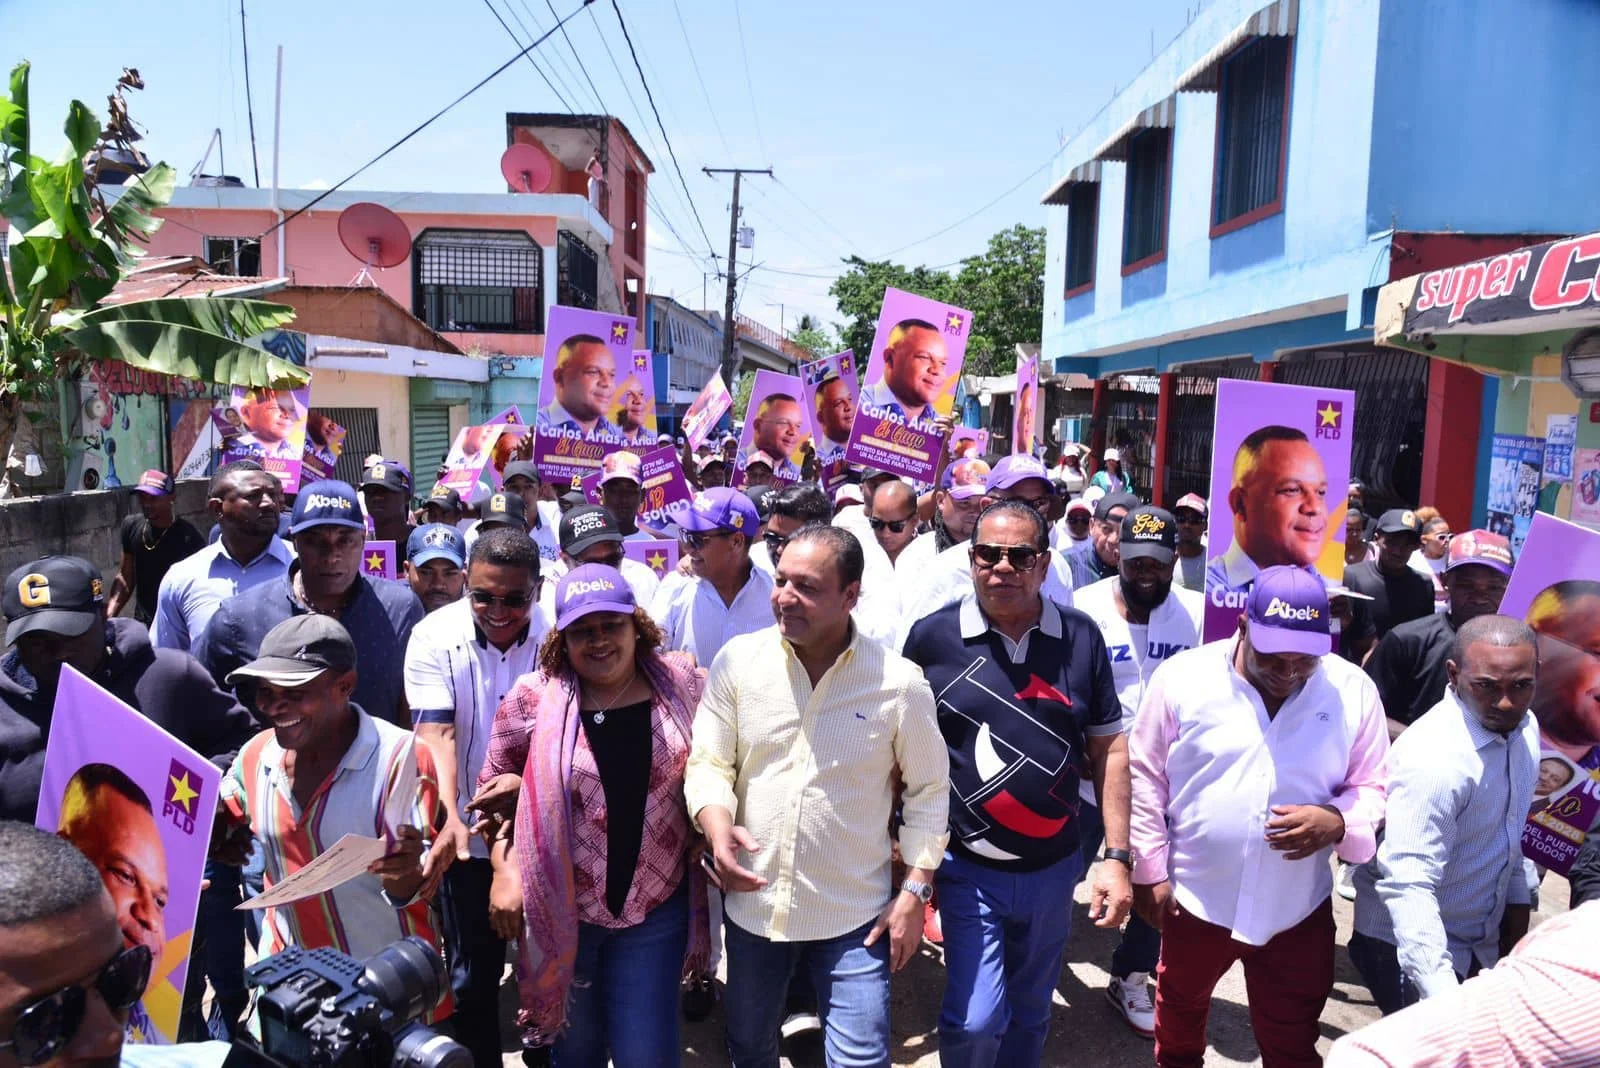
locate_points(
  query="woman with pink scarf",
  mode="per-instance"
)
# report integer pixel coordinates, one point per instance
(595, 875)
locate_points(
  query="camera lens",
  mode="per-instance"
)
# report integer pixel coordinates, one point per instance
(406, 977)
(420, 1047)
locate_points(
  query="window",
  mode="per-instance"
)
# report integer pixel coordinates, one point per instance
(1144, 222)
(479, 281)
(633, 241)
(1083, 209)
(1252, 133)
(239, 256)
(577, 273)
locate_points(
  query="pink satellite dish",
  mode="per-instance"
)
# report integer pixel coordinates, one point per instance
(374, 235)
(526, 169)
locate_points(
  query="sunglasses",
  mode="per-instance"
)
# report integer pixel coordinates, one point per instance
(896, 526)
(513, 601)
(776, 543)
(44, 1027)
(1020, 557)
(696, 540)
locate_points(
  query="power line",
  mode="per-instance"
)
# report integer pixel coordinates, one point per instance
(1030, 176)
(581, 68)
(695, 63)
(501, 69)
(836, 231)
(626, 36)
(744, 54)
(537, 69)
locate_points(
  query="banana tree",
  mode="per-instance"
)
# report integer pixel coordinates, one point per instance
(69, 244)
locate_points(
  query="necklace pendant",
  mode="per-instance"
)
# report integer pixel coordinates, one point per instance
(599, 718)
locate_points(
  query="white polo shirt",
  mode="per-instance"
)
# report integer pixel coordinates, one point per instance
(454, 675)
(694, 619)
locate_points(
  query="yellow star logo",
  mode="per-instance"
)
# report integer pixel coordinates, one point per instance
(953, 321)
(619, 332)
(657, 562)
(182, 793)
(375, 562)
(1328, 415)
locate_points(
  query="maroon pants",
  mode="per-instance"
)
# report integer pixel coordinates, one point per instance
(1287, 982)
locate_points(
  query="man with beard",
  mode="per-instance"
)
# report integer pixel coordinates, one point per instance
(779, 427)
(585, 379)
(913, 373)
(1278, 497)
(435, 556)
(1097, 560)
(1145, 620)
(1395, 592)
(836, 414)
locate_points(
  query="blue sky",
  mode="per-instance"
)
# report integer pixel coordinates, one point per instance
(885, 120)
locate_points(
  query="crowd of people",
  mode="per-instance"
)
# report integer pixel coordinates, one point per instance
(847, 723)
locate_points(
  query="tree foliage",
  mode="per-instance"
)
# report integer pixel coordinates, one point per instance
(1003, 286)
(815, 338)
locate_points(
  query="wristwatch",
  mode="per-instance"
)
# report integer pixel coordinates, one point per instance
(922, 891)
(1123, 855)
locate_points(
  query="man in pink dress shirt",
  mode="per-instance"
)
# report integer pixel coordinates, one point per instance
(1251, 757)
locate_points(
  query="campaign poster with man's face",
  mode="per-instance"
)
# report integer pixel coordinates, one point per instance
(911, 379)
(1275, 452)
(709, 406)
(588, 355)
(968, 443)
(1555, 588)
(633, 408)
(324, 445)
(267, 426)
(139, 804)
(775, 430)
(831, 390)
(1025, 416)
(470, 455)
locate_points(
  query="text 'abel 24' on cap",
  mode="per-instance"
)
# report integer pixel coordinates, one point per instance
(329, 503)
(1288, 612)
(591, 588)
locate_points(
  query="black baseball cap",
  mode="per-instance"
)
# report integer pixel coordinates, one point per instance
(54, 595)
(444, 497)
(503, 509)
(1399, 521)
(586, 525)
(1148, 531)
(526, 468)
(390, 475)
(761, 497)
(1102, 507)
(298, 650)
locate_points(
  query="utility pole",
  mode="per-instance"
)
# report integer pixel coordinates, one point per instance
(729, 361)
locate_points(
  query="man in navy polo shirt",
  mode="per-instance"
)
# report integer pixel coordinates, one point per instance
(328, 534)
(1025, 697)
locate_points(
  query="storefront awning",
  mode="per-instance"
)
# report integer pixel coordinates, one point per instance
(1155, 117)
(1279, 19)
(1499, 313)
(1062, 190)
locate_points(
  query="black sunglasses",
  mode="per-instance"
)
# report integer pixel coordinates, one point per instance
(696, 540)
(776, 543)
(896, 526)
(1020, 557)
(46, 1025)
(512, 601)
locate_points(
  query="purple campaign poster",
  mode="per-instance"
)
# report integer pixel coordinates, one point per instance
(634, 409)
(267, 426)
(324, 444)
(1555, 588)
(709, 406)
(831, 390)
(588, 356)
(658, 554)
(139, 804)
(1276, 453)
(911, 380)
(968, 443)
(378, 560)
(1025, 414)
(775, 428)
(663, 491)
(469, 454)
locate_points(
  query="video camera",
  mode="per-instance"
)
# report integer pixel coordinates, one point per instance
(322, 1009)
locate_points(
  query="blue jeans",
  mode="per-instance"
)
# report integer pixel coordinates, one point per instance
(1140, 947)
(1005, 934)
(852, 985)
(217, 950)
(624, 1001)
(1379, 964)
(477, 958)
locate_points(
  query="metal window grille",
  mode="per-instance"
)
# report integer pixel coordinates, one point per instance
(360, 440)
(1254, 94)
(577, 273)
(1083, 210)
(479, 280)
(239, 256)
(1131, 427)
(1144, 227)
(1193, 421)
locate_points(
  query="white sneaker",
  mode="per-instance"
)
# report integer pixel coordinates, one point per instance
(798, 1023)
(1131, 998)
(1345, 884)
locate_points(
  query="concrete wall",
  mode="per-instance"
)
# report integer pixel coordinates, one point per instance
(389, 394)
(82, 524)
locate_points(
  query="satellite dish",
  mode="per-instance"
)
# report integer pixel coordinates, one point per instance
(374, 235)
(526, 169)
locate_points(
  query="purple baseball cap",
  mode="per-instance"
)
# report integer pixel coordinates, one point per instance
(591, 588)
(1017, 467)
(1288, 612)
(964, 478)
(721, 508)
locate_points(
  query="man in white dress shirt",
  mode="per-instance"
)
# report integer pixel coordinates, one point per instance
(1251, 757)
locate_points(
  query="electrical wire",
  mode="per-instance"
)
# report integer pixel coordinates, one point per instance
(1030, 176)
(704, 93)
(537, 69)
(501, 69)
(744, 54)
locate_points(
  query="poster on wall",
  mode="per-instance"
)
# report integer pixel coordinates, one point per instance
(267, 426)
(1025, 415)
(917, 352)
(1586, 487)
(195, 441)
(584, 353)
(1560, 438)
(1276, 450)
(1555, 588)
(117, 435)
(775, 429)
(139, 804)
(1514, 468)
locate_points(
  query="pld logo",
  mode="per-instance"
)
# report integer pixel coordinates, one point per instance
(1330, 419)
(181, 794)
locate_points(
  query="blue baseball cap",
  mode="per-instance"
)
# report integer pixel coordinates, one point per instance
(1288, 612)
(436, 541)
(329, 503)
(1018, 467)
(721, 508)
(591, 588)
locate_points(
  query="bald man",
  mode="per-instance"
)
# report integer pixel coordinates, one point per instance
(894, 517)
(1279, 502)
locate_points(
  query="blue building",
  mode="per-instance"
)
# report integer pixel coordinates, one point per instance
(1233, 211)
(687, 349)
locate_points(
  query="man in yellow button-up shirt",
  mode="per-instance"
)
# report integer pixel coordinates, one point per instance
(798, 742)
